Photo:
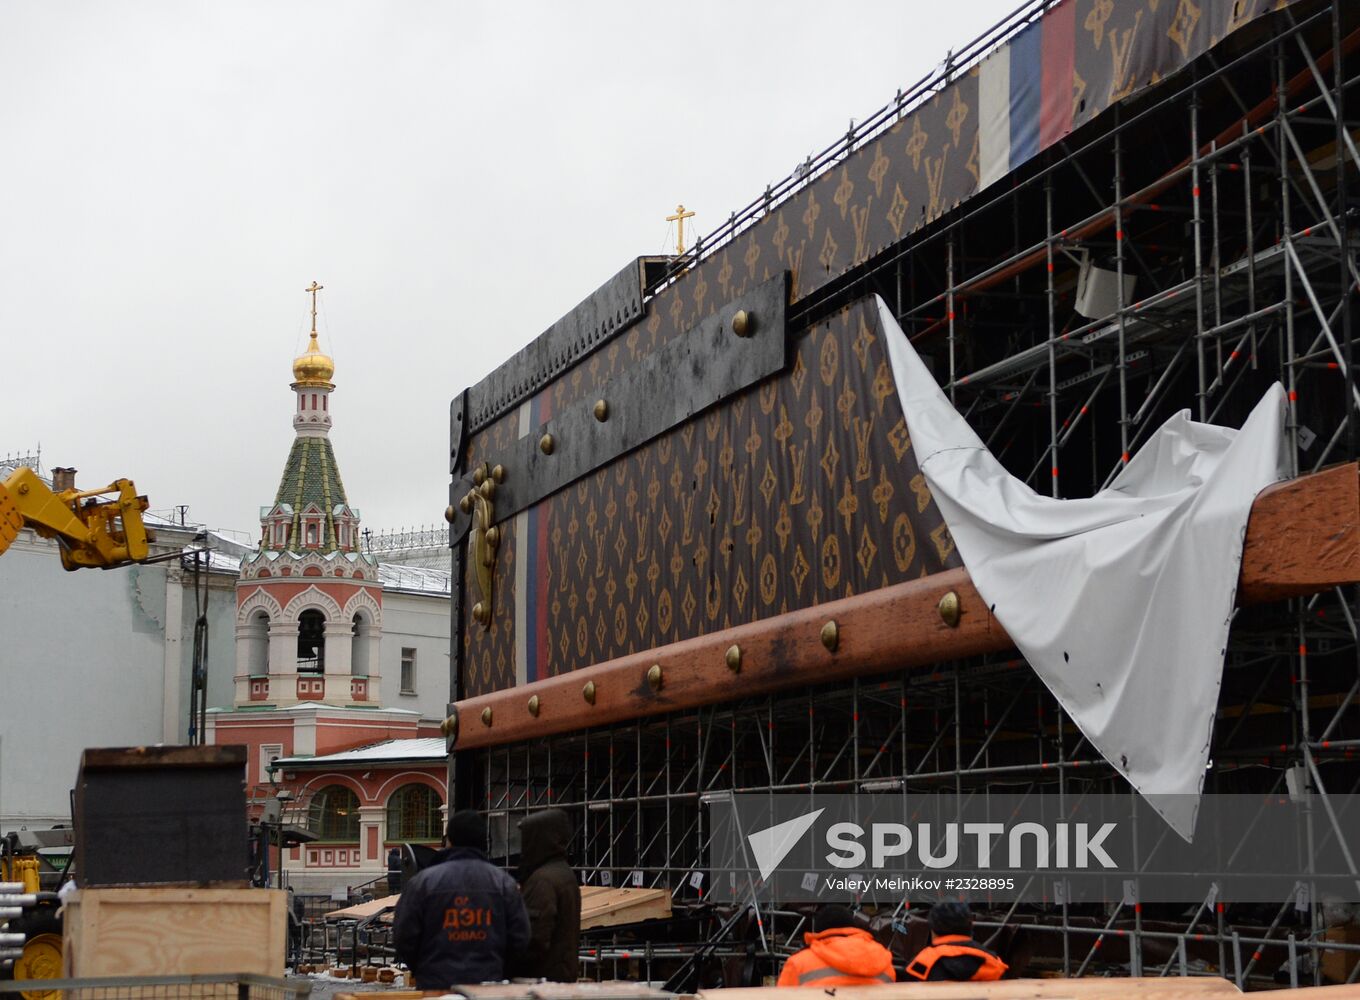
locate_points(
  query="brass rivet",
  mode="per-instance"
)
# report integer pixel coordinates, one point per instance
(450, 513)
(479, 614)
(654, 676)
(546, 444)
(479, 476)
(498, 473)
(493, 536)
(831, 635)
(465, 504)
(743, 323)
(533, 706)
(588, 692)
(449, 727)
(733, 658)
(486, 716)
(488, 489)
(601, 410)
(949, 609)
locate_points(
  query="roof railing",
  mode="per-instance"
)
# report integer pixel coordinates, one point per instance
(814, 166)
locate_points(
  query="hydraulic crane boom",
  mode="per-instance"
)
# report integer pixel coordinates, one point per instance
(91, 531)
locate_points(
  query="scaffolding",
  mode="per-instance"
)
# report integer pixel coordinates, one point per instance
(1223, 205)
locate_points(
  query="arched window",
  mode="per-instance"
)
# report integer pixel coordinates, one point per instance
(311, 651)
(413, 814)
(311, 533)
(257, 644)
(359, 645)
(334, 814)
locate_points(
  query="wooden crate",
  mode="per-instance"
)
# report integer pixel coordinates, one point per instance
(167, 931)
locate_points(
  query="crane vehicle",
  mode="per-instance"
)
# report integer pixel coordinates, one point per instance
(92, 530)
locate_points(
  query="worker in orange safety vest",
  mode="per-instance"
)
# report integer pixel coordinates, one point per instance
(838, 953)
(952, 953)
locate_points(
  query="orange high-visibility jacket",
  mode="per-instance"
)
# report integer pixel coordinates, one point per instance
(840, 956)
(959, 958)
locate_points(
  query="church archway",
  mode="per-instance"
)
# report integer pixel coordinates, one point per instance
(311, 646)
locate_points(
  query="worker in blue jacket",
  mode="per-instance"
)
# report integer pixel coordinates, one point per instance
(460, 920)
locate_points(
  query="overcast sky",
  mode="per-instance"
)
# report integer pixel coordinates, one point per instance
(457, 175)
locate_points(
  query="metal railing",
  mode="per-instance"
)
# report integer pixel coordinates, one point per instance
(239, 986)
(903, 103)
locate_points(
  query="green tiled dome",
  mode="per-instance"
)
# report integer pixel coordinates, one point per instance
(312, 477)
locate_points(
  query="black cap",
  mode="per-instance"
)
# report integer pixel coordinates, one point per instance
(950, 917)
(832, 915)
(467, 829)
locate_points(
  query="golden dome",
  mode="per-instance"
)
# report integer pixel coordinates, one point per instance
(314, 368)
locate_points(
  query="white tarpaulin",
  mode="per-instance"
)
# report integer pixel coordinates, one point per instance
(1120, 602)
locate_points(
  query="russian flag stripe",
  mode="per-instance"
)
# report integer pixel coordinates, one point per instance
(994, 117)
(1059, 58)
(1026, 54)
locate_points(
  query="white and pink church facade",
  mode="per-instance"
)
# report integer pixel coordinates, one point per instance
(357, 765)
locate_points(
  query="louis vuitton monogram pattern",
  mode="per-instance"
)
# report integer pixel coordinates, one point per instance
(800, 490)
(635, 560)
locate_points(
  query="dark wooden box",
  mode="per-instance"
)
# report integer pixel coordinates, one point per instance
(161, 816)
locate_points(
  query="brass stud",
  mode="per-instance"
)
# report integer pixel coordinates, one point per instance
(488, 489)
(449, 727)
(486, 716)
(588, 692)
(479, 613)
(546, 444)
(654, 676)
(949, 609)
(479, 476)
(450, 513)
(831, 635)
(498, 473)
(743, 324)
(493, 536)
(465, 504)
(601, 410)
(733, 658)
(533, 706)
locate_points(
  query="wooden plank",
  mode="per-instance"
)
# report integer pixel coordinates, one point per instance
(361, 910)
(1093, 988)
(123, 758)
(172, 931)
(602, 906)
(1303, 536)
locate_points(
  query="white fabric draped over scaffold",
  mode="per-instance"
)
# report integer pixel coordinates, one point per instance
(1121, 602)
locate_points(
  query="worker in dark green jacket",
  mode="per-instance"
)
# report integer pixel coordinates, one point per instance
(552, 896)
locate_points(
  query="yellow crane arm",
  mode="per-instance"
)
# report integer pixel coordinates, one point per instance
(92, 532)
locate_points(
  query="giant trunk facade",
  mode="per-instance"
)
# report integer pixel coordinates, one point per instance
(709, 451)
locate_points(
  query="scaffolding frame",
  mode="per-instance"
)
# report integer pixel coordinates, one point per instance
(1228, 195)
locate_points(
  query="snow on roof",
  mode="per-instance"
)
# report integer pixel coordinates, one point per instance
(397, 576)
(430, 749)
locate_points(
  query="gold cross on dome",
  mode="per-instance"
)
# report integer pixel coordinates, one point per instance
(679, 219)
(314, 288)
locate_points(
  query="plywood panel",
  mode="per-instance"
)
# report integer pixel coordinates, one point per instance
(173, 931)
